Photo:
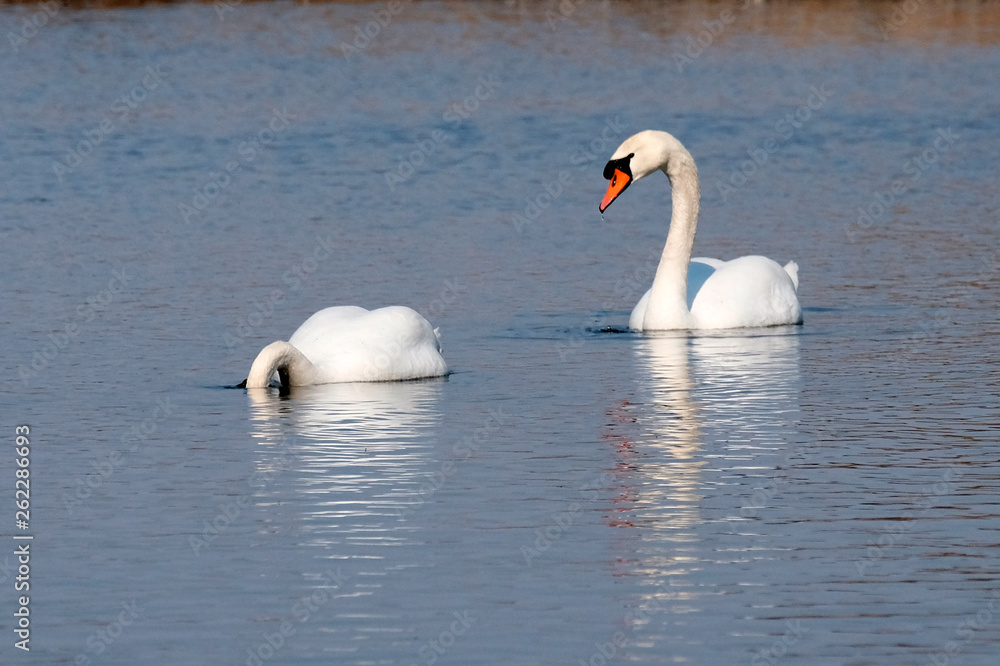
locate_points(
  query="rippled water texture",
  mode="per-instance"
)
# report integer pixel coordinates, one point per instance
(182, 184)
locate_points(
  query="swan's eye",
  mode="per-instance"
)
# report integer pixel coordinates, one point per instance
(622, 164)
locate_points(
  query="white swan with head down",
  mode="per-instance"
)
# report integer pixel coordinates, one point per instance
(351, 344)
(697, 293)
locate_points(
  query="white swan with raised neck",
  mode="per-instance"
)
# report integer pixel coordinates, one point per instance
(698, 293)
(351, 344)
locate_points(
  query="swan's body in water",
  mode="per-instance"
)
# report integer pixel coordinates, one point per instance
(351, 344)
(698, 293)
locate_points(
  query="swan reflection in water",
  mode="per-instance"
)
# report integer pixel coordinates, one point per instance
(350, 457)
(724, 400)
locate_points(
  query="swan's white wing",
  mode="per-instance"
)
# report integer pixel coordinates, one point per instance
(699, 270)
(326, 329)
(349, 344)
(747, 292)
(714, 263)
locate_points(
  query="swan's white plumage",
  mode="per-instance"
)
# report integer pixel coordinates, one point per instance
(701, 293)
(351, 344)
(745, 292)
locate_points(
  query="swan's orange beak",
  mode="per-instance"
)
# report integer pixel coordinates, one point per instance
(619, 181)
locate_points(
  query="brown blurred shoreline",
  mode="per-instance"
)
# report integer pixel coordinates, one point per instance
(794, 23)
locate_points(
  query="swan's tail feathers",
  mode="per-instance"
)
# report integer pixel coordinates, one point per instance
(437, 336)
(792, 269)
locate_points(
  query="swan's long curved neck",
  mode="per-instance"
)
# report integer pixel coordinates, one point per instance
(293, 368)
(667, 307)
